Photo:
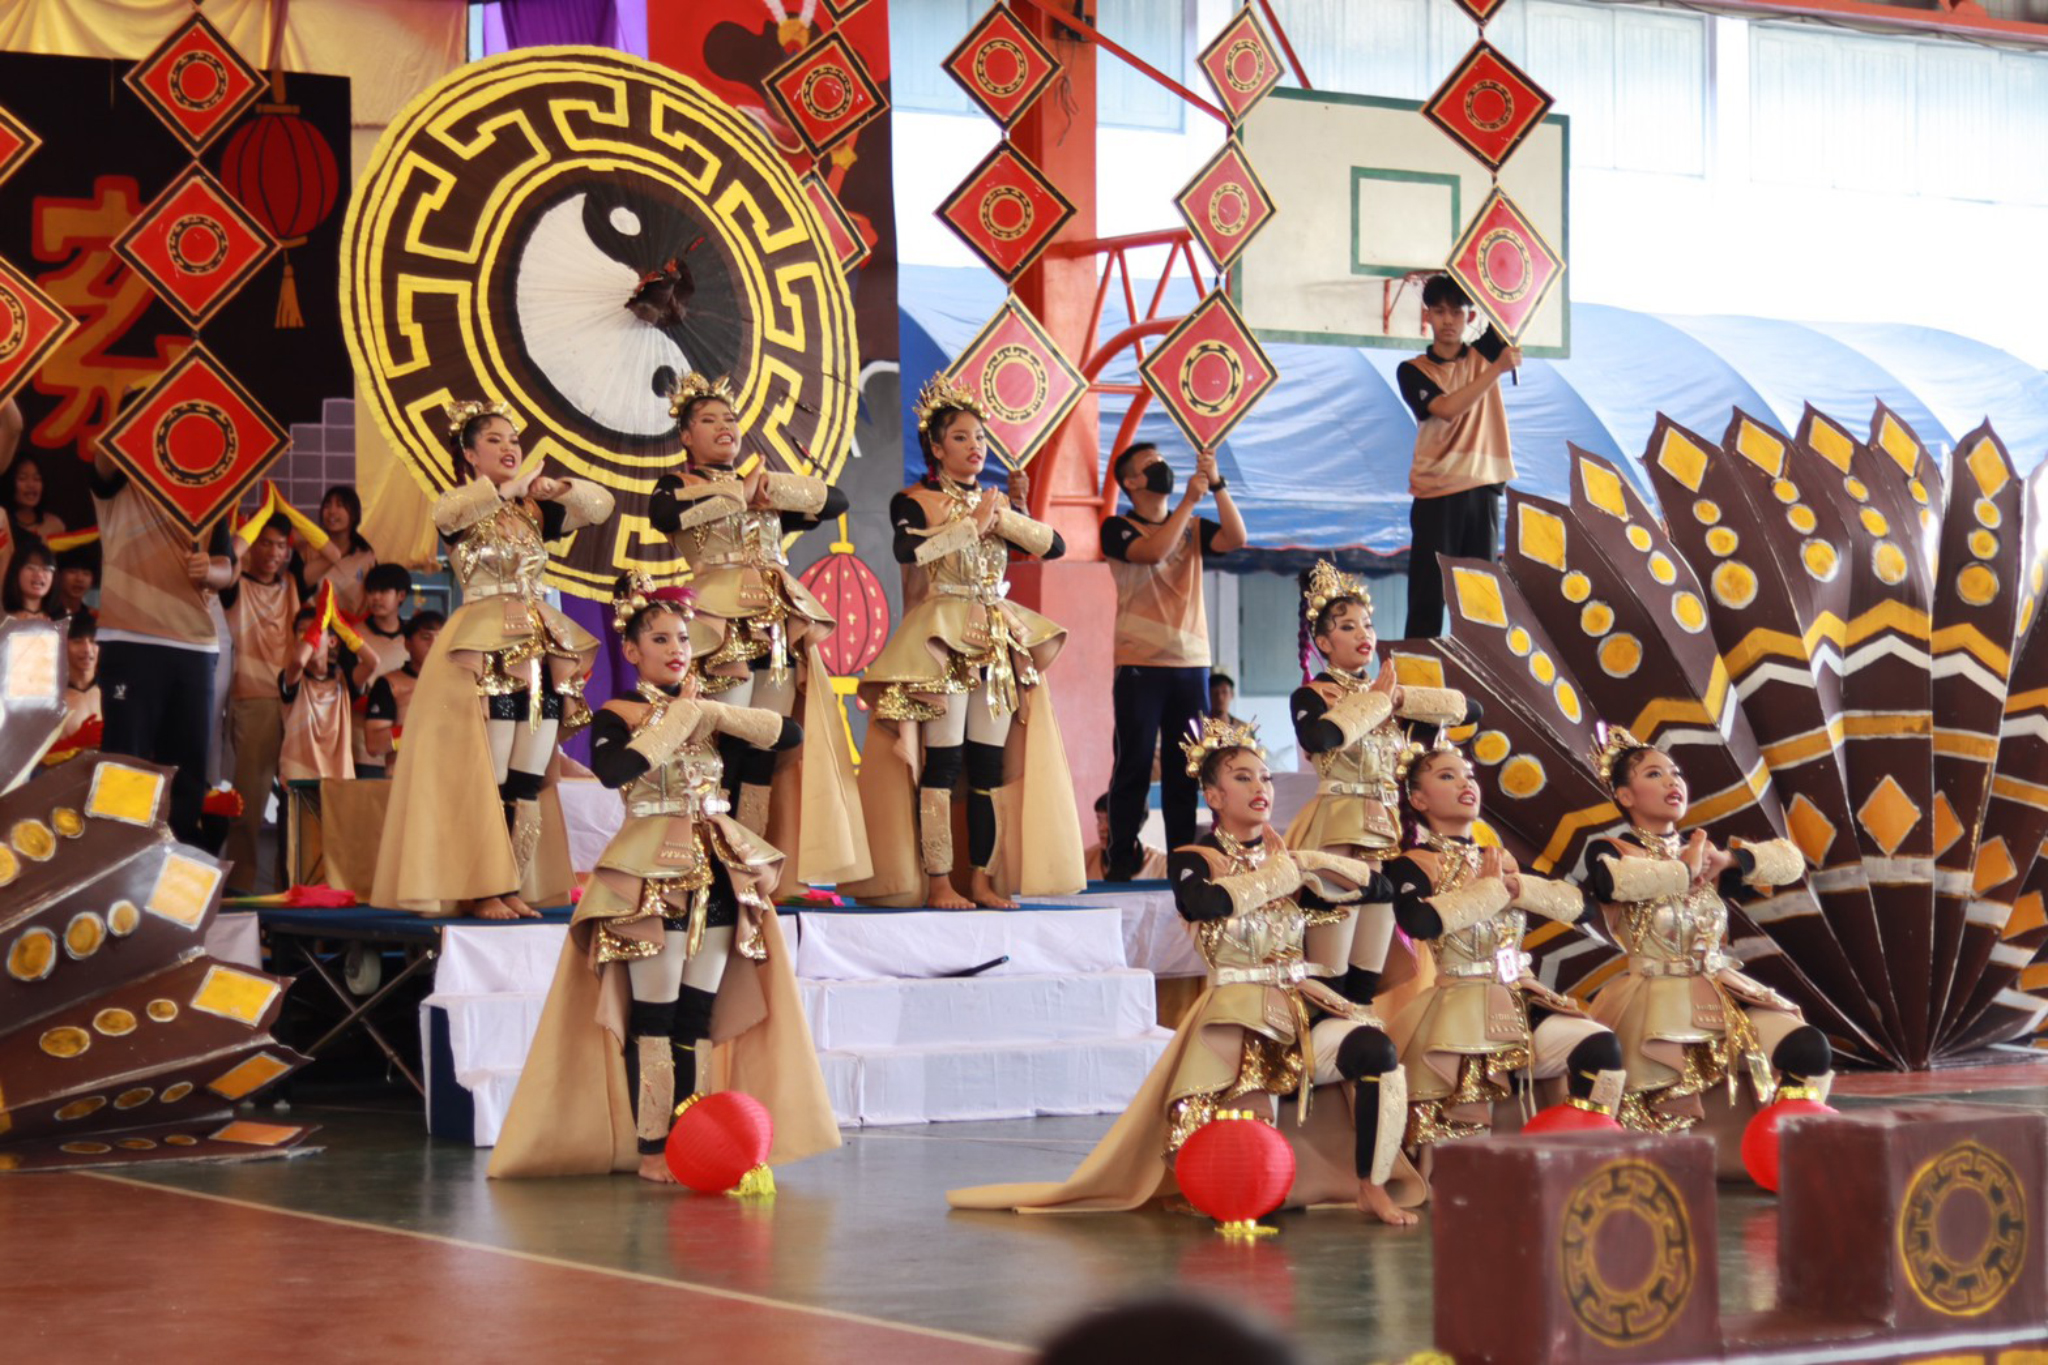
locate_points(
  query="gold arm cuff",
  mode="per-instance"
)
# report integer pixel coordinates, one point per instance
(707, 503)
(951, 538)
(464, 506)
(1032, 537)
(751, 724)
(587, 503)
(1778, 863)
(1552, 900)
(1433, 705)
(795, 493)
(658, 742)
(1648, 879)
(1276, 877)
(1467, 906)
(1332, 876)
(1359, 714)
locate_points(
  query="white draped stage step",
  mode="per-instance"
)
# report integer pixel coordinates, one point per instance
(1064, 1022)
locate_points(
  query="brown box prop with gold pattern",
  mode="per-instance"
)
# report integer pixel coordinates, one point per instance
(1920, 1218)
(1582, 1247)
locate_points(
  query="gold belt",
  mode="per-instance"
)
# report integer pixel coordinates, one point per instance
(987, 596)
(1710, 963)
(739, 559)
(1490, 969)
(1266, 974)
(513, 589)
(1330, 786)
(689, 807)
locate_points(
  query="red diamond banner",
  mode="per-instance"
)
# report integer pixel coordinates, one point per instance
(1241, 64)
(32, 325)
(848, 245)
(196, 82)
(1209, 371)
(195, 441)
(1225, 205)
(1488, 105)
(17, 143)
(825, 93)
(839, 9)
(1505, 265)
(196, 245)
(1006, 211)
(1481, 10)
(1026, 386)
(1001, 66)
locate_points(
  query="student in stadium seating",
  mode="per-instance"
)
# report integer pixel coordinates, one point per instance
(385, 589)
(1151, 868)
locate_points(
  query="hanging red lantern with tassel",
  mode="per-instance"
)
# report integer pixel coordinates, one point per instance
(1236, 1168)
(279, 168)
(720, 1144)
(849, 589)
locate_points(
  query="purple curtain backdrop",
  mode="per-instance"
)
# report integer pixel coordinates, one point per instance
(550, 23)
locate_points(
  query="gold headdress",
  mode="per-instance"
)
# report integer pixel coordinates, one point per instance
(630, 599)
(1326, 584)
(1611, 742)
(461, 414)
(1220, 732)
(693, 386)
(1413, 753)
(941, 392)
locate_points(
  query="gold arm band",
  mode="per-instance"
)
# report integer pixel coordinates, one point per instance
(1332, 876)
(658, 742)
(465, 505)
(708, 502)
(1553, 900)
(1469, 904)
(1648, 879)
(953, 537)
(795, 493)
(1778, 862)
(751, 724)
(1276, 877)
(1359, 714)
(1032, 537)
(587, 503)
(1433, 705)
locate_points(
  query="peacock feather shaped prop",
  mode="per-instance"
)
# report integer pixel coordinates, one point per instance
(121, 1040)
(1838, 642)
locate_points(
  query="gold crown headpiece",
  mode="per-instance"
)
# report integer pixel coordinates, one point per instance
(1413, 753)
(462, 414)
(1327, 584)
(640, 592)
(693, 386)
(1220, 732)
(1611, 742)
(941, 392)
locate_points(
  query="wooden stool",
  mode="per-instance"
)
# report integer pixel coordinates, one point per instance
(1576, 1247)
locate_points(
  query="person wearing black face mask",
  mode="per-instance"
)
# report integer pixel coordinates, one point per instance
(1162, 638)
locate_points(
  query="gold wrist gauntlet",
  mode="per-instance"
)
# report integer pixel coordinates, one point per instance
(795, 493)
(1471, 903)
(1552, 900)
(658, 742)
(749, 724)
(1433, 705)
(1778, 862)
(1359, 714)
(707, 502)
(1276, 877)
(1032, 537)
(1648, 879)
(464, 506)
(1332, 876)
(951, 538)
(588, 504)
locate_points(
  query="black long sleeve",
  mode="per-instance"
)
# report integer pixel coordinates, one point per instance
(906, 514)
(663, 512)
(1195, 893)
(1057, 549)
(1412, 888)
(1311, 730)
(614, 763)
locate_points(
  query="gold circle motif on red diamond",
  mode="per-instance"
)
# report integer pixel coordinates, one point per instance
(1505, 265)
(827, 92)
(1000, 68)
(1244, 66)
(195, 443)
(198, 81)
(13, 325)
(1211, 378)
(1230, 209)
(1015, 386)
(197, 244)
(1489, 106)
(1006, 213)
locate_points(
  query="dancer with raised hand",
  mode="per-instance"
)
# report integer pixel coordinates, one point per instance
(674, 945)
(960, 687)
(1687, 1017)
(758, 628)
(503, 685)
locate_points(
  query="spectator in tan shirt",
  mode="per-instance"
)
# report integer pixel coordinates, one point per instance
(260, 609)
(318, 690)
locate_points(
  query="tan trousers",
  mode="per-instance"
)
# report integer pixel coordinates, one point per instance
(256, 732)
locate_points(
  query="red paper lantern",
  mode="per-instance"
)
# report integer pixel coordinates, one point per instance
(1572, 1118)
(283, 172)
(720, 1143)
(849, 589)
(1760, 1138)
(1236, 1168)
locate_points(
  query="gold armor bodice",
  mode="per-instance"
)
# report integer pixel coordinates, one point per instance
(1365, 768)
(1682, 935)
(750, 537)
(1490, 948)
(502, 555)
(1262, 945)
(979, 570)
(689, 783)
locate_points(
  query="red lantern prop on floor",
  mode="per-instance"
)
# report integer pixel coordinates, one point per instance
(1573, 1116)
(279, 168)
(1236, 1168)
(720, 1143)
(1760, 1138)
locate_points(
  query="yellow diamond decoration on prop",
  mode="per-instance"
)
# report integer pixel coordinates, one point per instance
(1603, 489)
(184, 887)
(1832, 442)
(125, 794)
(1418, 670)
(1540, 536)
(1760, 448)
(1810, 829)
(1682, 460)
(2028, 912)
(1897, 442)
(1479, 598)
(1947, 829)
(235, 995)
(1994, 868)
(255, 1134)
(1989, 469)
(1888, 815)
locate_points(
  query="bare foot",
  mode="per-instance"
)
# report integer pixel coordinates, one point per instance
(940, 895)
(493, 907)
(984, 894)
(520, 909)
(655, 1168)
(1373, 1199)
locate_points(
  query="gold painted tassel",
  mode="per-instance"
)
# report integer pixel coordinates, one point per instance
(758, 1183)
